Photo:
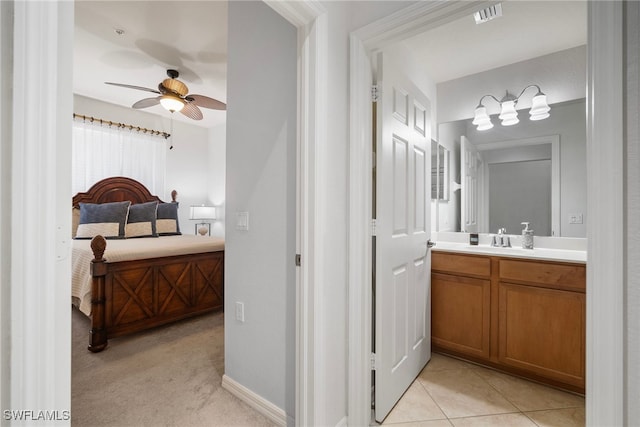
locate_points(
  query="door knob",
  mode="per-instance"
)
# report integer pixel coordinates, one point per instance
(430, 244)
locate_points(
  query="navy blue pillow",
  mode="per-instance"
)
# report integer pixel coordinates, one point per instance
(142, 220)
(167, 219)
(106, 219)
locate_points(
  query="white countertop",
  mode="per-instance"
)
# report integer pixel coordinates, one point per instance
(547, 254)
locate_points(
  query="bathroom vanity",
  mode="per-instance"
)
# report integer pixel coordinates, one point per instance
(520, 311)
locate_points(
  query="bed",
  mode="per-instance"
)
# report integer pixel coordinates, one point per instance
(133, 284)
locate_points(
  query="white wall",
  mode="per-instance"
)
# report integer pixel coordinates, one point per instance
(6, 101)
(260, 180)
(632, 368)
(216, 175)
(560, 75)
(342, 17)
(194, 165)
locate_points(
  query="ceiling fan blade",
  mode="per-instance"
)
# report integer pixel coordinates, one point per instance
(147, 102)
(206, 102)
(192, 111)
(133, 87)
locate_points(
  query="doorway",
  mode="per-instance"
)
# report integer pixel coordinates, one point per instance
(604, 18)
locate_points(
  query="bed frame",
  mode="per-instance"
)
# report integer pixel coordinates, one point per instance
(132, 296)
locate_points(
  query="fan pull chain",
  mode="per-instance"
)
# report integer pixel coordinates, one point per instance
(171, 146)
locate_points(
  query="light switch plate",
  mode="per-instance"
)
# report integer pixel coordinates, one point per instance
(575, 219)
(240, 311)
(242, 221)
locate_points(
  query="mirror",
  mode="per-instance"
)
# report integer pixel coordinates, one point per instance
(531, 172)
(439, 171)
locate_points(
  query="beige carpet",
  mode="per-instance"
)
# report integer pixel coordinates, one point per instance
(169, 376)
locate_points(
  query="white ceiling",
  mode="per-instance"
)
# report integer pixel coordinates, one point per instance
(191, 36)
(527, 29)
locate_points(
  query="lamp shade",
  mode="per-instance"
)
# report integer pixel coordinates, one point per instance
(203, 212)
(481, 115)
(508, 113)
(485, 126)
(539, 107)
(171, 102)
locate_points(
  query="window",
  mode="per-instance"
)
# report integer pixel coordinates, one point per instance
(100, 151)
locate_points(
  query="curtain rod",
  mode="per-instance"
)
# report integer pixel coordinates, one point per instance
(165, 135)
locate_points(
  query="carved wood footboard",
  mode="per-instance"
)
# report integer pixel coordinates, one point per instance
(131, 296)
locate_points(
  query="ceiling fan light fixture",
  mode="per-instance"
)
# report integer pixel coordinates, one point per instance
(171, 103)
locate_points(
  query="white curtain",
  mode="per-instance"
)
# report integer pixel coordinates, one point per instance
(102, 151)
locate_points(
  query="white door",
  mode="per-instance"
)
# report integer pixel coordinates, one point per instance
(403, 228)
(471, 166)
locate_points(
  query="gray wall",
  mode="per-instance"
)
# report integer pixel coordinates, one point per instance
(260, 180)
(520, 192)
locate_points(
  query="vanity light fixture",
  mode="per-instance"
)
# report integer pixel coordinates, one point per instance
(508, 113)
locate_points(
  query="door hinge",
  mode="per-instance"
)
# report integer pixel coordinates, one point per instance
(375, 93)
(374, 224)
(298, 260)
(373, 361)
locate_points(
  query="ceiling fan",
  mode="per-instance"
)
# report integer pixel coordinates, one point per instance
(174, 97)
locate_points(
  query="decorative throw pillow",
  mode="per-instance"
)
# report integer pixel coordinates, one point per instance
(167, 219)
(106, 219)
(142, 220)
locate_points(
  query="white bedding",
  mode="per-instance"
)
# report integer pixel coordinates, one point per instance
(127, 250)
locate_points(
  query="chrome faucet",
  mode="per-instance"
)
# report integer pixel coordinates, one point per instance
(501, 239)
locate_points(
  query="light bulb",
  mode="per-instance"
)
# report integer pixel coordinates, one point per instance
(171, 103)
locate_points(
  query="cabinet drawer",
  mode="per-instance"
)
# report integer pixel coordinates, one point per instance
(563, 276)
(461, 264)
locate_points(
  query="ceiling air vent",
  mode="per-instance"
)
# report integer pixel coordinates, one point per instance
(488, 13)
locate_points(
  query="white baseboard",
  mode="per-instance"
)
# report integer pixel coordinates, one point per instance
(259, 403)
(343, 422)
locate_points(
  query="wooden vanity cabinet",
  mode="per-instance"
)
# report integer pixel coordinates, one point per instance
(522, 316)
(460, 304)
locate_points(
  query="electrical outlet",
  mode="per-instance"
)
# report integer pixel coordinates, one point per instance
(240, 311)
(575, 218)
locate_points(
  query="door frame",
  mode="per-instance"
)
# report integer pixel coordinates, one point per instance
(605, 318)
(310, 19)
(22, 386)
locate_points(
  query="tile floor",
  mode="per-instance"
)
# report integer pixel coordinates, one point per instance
(450, 392)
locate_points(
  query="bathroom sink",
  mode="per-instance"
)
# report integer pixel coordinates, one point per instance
(500, 249)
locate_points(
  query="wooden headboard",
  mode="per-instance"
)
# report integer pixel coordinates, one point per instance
(117, 189)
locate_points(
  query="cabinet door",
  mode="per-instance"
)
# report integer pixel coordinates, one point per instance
(542, 331)
(460, 314)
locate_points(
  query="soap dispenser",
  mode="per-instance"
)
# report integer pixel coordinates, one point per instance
(527, 236)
